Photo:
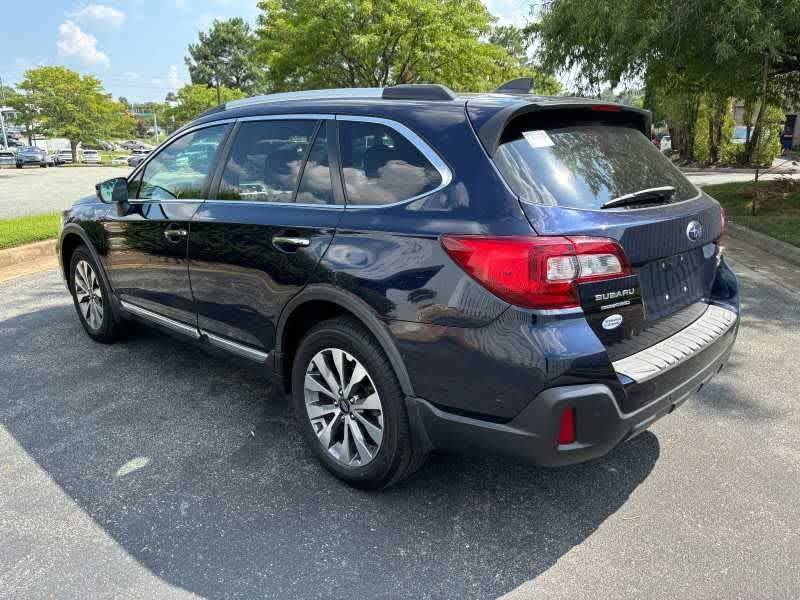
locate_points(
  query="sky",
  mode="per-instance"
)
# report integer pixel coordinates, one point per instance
(135, 47)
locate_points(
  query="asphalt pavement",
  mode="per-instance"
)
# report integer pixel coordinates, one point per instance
(32, 190)
(155, 469)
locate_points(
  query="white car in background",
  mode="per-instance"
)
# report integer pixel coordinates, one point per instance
(120, 160)
(91, 157)
(7, 158)
(666, 143)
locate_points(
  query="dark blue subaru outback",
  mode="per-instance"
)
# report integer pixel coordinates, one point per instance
(423, 270)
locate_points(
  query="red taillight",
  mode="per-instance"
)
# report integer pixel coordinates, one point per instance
(606, 108)
(566, 429)
(537, 272)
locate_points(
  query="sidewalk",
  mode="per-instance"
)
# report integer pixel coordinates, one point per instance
(27, 259)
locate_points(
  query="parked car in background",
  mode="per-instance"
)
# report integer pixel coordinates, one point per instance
(666, 143)
(120, 160)
(137, 156)
(30, 155)
(741, 135)
(421, 270)
(64, 157)
(7, 158)
(91, 156)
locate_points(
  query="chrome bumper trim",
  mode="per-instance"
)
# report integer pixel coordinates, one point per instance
(682, 346)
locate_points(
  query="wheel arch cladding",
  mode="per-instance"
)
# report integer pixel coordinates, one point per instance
(319, 303)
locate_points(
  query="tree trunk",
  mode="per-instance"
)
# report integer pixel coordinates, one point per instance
(73, 144)
(715, 121)
(752, 143)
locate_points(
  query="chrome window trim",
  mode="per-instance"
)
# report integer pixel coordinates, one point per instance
(264, 203)
(444, 171)
(659, 358)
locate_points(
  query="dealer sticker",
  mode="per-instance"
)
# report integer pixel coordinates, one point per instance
(538, 138)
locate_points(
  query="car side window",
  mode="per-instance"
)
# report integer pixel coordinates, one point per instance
(315, 184)
(183, 169)
(380, 166)
(266, 159)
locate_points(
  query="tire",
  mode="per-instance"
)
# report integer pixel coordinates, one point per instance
(19, 166)
(353, 458)
(92, 297)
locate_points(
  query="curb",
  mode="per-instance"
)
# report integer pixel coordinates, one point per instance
(13, 256)
(764, 242)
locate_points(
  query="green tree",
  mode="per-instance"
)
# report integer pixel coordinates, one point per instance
(307, 44)
(222, 57)
(69, 105)
(682, 50)
(194, 99)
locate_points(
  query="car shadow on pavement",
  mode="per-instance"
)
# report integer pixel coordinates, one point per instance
(196, 471)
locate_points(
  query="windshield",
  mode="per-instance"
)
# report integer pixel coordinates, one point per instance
(586, 165)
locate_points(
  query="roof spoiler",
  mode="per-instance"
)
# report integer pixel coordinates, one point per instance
(521, 85)
(491, 130)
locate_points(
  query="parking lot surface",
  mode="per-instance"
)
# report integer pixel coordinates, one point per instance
(152, 468)
(32, 190)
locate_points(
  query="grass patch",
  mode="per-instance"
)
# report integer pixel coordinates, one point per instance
(777, 206)
(24, 230)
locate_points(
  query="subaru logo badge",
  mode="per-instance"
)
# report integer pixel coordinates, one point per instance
(694, 231)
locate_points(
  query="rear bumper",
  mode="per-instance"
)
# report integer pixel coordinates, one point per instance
(600, 422)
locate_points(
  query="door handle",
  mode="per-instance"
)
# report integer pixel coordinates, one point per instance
(174, 235)
(296, 242)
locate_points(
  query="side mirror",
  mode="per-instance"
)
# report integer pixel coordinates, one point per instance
(113, 190)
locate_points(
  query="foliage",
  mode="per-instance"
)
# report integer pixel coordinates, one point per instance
(768, 147)
(24, 230)
(194, 99)
(222, 56)
(306, 44)
(681, 50)
(714, 127)
(69, 105)
(778, 206)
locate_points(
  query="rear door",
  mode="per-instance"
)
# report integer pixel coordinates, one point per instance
(146, 259)
(271, 216)
(568, 172)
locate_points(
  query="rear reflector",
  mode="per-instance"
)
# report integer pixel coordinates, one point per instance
(566, 430)
(537, 272)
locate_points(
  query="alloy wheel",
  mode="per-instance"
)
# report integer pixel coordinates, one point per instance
(344, 407)
(89, 294)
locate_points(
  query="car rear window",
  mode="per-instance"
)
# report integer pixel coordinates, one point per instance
(585, 165)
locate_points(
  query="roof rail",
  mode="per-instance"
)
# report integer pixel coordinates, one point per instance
(522, 85)
(307, 95)
(418, 91)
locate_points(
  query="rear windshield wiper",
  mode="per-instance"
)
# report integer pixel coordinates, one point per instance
(663, 193)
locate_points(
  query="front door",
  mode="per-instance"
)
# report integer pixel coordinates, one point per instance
(256, 241)
(148, 237)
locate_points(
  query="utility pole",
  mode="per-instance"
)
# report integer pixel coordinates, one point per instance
(2, 120)
(155, 124)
